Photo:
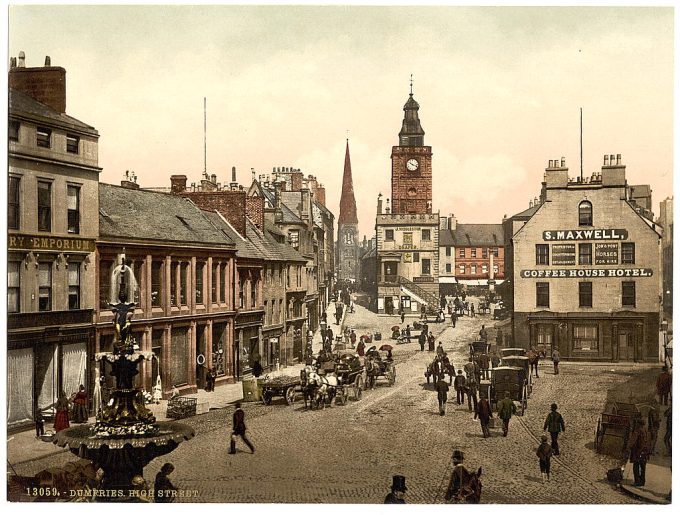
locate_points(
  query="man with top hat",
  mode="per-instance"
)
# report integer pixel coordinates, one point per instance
(457, 475)
(396, 496)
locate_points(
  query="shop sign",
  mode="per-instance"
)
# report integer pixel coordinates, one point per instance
(408, 257)
(586, 234)
(563, 254)
(606, 253)
(583, 273)
(47, 243)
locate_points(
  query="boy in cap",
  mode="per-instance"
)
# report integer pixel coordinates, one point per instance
(396, 496)
(544, 452)
(554, 424)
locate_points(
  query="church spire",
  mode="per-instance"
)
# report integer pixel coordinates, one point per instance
(411, 133)
(348, 205)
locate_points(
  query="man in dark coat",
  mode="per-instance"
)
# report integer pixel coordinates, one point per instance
(421, 341)
(352, 338)
(653, 424)
(239, 429)
(396, 496)
(482, 333)
(408, 333)
(442, 388)
(554, 424)
(472, 386)
(460, 384)
(639, 451)
(430, 342)
(454, 317)
(664, 384)
(483, 413)
(506, 409)
(484, 366)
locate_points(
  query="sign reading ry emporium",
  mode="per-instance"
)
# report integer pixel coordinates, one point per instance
(30, 242)
(586, 234)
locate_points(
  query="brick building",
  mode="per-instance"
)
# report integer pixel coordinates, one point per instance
(665, 220)
(586, 269)
(185, 268)
(470, 255)
(53, 177)
(407, 236)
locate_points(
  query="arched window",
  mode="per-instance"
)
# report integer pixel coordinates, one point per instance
(585, 213)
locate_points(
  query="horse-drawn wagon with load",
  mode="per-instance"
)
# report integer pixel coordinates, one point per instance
(522, 362)
(287, 387)
(506, 379)
(351, 377)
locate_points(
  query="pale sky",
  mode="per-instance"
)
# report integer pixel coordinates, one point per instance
(499, 92)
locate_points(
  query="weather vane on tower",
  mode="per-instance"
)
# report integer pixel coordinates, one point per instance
(411, 84)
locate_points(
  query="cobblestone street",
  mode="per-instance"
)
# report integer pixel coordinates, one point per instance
(348, 454)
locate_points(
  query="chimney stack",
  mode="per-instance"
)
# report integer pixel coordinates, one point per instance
(178, 184)
(380, 203)
(606, 160)
(46, 84)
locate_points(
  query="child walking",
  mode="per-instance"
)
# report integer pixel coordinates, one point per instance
(544, 452)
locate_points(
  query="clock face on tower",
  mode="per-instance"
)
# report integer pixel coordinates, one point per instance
(412, 165)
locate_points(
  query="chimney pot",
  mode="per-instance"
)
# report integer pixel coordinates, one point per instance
(618, 159)
(48, 61)
(606, 160)
(233, 174)
(611, 159)
(562, 162)
(22, 59)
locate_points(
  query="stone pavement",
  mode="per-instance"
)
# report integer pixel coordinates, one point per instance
(347, 454)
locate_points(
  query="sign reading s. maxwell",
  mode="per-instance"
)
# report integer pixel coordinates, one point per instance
(47, 243)
(586, 234)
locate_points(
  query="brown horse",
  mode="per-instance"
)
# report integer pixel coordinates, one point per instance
(465, 486)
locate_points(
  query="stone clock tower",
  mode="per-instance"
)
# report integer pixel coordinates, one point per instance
(348, 239)
(411, 166)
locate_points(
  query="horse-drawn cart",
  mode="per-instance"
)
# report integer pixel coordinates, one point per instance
(376, 367)
(614, 427)
(351, 377)
(283, 386)
(522, 362)
(507, 379)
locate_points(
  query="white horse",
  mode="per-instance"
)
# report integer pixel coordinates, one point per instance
(326, 386)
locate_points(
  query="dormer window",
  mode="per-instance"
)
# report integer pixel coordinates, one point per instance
(585, 213)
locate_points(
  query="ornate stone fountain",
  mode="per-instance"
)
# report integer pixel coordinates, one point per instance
(126, 436)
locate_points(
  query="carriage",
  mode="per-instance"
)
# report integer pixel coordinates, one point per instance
(287, 387)
(377, 366)
(513, 351)
(438, 367)
(479, 347)
(522, 362)
(506, 379)
(351, 377)
(614, 426)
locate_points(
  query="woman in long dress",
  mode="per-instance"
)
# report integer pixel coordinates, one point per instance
(61, 418)
(80, 406)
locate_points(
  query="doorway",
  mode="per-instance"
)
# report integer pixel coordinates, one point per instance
(626, 345)
(389, 305)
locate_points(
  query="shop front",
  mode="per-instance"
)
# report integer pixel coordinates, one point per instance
(43, 363)
(623, 336)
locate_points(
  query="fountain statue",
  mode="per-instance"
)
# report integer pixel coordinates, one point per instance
(126, 436)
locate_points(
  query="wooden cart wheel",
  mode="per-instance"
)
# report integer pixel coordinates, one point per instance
(290, 395)
(267, 397)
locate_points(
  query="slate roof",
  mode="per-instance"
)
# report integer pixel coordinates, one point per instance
(147, 215)
(23, 104)
(275, 251)
(244, 248)
(482, 235)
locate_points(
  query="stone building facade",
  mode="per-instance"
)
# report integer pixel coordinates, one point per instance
(53, 176)
(665, 220)
(407, 236)
(185, 267)
(587, 274)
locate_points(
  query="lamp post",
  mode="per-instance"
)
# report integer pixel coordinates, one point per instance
(664, 329)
